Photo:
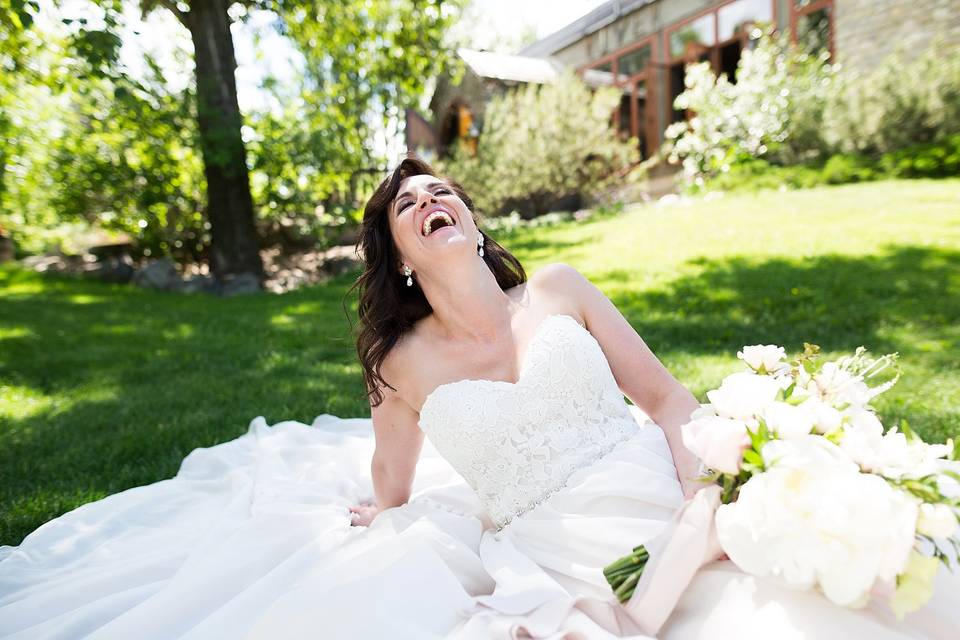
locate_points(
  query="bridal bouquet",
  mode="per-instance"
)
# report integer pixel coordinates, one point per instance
(806, 485)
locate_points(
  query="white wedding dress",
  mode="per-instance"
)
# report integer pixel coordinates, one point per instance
(523, 493)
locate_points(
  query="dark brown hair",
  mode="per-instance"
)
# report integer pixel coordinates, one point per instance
(388, 307)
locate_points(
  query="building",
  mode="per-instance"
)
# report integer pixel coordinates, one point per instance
(642, 47)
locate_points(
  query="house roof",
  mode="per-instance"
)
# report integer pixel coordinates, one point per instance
(510, 67)
(583, 27)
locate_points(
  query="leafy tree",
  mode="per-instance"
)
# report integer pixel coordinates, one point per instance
(363, 61)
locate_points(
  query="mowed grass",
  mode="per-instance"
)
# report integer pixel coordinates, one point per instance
(106, 387)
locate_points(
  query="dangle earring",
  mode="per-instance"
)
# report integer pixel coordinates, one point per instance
(407, 271)
(480, 245)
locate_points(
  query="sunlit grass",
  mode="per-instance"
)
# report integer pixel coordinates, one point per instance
(105, 387)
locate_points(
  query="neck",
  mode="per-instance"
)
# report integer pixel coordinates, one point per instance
(467, 302)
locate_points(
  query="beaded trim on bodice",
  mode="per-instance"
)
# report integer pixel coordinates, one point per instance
(517, 443)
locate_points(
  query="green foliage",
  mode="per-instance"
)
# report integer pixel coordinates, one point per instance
(364, 62)
(89, 146)
(541, 143)
(932, 160)
(843, 168)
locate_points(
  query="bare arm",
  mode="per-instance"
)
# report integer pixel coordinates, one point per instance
(638, 372)
(399, 442)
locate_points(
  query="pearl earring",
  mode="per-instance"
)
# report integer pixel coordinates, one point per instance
(407, 271)
(480, 245)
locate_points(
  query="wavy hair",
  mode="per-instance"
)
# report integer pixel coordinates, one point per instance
(387, 306)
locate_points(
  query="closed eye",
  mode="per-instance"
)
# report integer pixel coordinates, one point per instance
(401, 207)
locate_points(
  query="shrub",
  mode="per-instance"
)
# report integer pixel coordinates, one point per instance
(930, 160)
(843, 168)
(540, 144)
(898, 105)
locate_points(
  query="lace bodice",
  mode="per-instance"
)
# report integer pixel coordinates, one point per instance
(515, 443)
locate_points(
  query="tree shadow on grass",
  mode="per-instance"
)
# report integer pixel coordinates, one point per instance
(836, 301)
(905, 299)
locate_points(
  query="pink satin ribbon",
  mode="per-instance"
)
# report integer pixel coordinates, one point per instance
(688, 542)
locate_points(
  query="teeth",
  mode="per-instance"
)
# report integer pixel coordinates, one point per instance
(433, 216)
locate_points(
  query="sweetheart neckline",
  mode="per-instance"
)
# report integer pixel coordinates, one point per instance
(523, 363)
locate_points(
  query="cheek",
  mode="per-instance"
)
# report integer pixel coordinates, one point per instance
(398, 232)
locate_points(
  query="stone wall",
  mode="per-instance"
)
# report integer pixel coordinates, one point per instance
(866, 31)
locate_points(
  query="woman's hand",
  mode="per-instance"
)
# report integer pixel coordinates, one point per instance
(361, 515)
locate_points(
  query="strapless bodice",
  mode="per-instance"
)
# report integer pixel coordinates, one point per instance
(515, 443)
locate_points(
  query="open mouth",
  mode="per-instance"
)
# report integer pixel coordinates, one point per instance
(436, 220)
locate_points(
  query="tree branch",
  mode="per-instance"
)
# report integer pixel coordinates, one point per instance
(182, 16)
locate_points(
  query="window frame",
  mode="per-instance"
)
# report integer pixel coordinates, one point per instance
(652, 133)
(815, 5)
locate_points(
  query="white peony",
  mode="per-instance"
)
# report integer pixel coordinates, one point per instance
(763, 358)
(936, 520)
(788, 421)
(743, 396)
(813, 519)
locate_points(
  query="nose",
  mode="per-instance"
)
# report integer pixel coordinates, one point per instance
(429, 200)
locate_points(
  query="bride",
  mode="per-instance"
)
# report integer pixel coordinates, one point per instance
(500, 470)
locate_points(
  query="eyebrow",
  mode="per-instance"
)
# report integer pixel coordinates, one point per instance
(430, 185)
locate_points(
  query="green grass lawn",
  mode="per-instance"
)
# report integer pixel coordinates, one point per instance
(105, 387)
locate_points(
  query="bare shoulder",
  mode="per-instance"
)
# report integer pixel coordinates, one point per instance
(403, 366)
(391, 369)
(561, 283)
(557, 275)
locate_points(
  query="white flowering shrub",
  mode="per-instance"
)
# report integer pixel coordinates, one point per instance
(791, 108)
(773, 111)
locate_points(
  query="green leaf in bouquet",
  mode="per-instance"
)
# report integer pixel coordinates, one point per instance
(907, 431)
(788, 392)
(753, 459)
(835, 436)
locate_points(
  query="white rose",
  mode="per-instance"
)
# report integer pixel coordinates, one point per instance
(763, 358)
(936, 520)
(743, 396)
(813, 519)
(718, 442)
(787, 421)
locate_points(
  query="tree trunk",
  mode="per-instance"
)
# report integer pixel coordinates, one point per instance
(234, 246)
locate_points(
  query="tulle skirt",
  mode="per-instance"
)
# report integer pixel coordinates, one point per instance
(252, 539)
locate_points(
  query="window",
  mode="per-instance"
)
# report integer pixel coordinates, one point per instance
(632, 63)
(695, 34)
(733, 19)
